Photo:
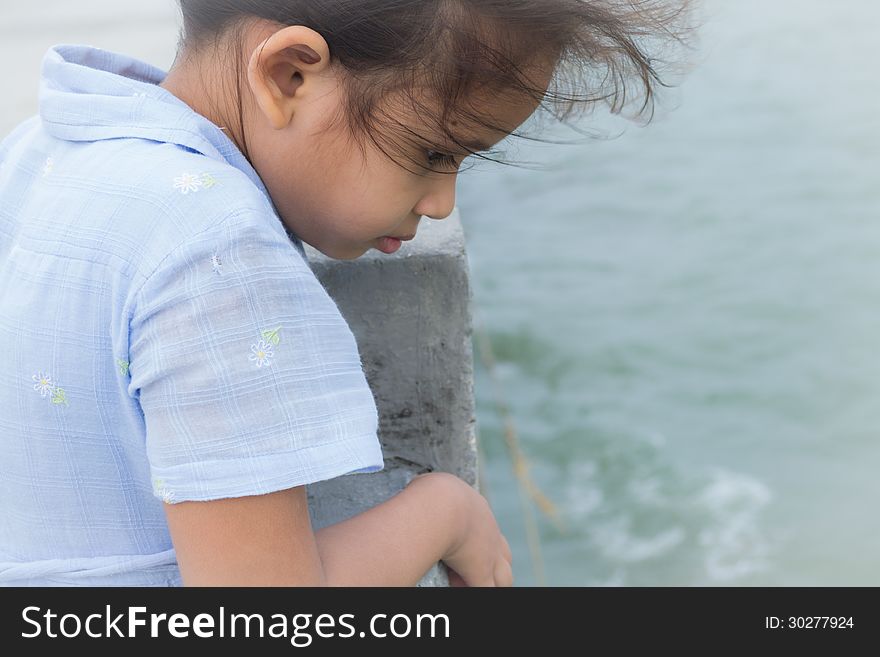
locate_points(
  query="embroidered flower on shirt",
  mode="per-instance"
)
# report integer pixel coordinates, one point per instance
(163, 491)
(44, 384)
(262, 353)
(45, 387)
(218, 266)
(189, 182)
(123, 366)
(47, 168)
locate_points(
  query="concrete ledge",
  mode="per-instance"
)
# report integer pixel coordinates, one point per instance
(411, 315)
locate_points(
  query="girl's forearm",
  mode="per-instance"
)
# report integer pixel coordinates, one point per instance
(398, 541)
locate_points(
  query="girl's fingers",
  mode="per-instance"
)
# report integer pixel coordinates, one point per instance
(454, 578)
(506, 549)
(503, 574)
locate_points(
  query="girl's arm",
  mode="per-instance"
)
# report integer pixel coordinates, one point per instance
(267, 540)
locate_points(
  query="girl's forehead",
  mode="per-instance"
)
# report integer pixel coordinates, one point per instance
(477, 121)
(503, 113)
(503, 108)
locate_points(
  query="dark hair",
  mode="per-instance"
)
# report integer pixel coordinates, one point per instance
(453, 47)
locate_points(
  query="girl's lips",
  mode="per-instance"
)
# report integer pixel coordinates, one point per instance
(389, 245)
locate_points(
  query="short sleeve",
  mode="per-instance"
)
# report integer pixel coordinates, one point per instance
(249, 378)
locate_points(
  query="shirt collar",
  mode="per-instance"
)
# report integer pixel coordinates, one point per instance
(90, 94)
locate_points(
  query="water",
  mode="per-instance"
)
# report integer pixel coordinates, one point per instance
(685, 318)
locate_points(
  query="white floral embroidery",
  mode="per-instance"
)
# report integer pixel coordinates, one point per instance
(47, 168)
(163, 491)
(139, 94)
(218, 266)
(44, 384)
(187, 183)
(262, 353)
(190, 182)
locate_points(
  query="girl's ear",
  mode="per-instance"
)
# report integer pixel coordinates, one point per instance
(280, 65)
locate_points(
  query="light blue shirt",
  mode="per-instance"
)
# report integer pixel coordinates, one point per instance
(162, 336)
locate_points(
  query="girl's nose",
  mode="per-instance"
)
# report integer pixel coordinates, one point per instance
(440, 201)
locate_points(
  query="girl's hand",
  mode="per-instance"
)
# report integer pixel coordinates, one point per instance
(481, 555)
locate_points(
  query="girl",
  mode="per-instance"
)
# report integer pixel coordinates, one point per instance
(172, 374)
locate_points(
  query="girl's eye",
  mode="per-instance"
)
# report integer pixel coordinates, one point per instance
(435, 158)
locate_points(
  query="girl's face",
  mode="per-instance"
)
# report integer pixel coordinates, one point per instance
(328, 192)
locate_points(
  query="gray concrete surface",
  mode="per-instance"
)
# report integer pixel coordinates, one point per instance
(411, 315)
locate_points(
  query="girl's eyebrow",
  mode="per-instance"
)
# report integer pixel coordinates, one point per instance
(474, 145)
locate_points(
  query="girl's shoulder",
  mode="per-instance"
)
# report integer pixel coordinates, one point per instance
(195, 192)
(162, 197)
(200, 203)
(132, 203)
